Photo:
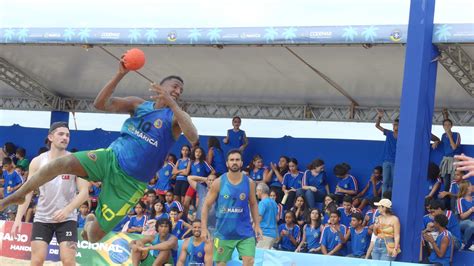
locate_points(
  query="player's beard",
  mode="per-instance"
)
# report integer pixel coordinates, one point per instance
(234, 168)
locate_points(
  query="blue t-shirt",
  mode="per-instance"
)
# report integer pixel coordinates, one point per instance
(195, 254)
(313, 236)
(318, 181)
(345, 217)
(432, 183)
(164, 177)
(293, 181)
(268, 209)
(81, 221)
(370, 192)
(463, 205)
(330, 239)
(274, 180)
(257, 174)
(137, 222)
(179, 229)
(454, 188)
(348, 183)
(10, 180)
(182, 164)
(360, 241)
(447, 149)
(285, 241)
(390, 148)
(174, 203)
(236, 139)
(453, 224)
(233, 211)
(218, 161)
(163, 215)
(444, 261)
(120, 225)
(200, 168)
(147, 134)
(372, 215)
(95, 191)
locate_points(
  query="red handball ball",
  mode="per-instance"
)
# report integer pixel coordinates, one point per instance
(134, 59)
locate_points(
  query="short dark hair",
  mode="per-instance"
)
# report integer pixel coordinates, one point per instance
(340, 170)
(234, 151)
(387, 195)
(347, 198)
(170, 78)
(433, 171)
(170, 191)
(150, 191)
(437, 204)
(9, 147)
(85, 203)
(396, 120)
(337, 212)
(196, 221)
(441, 219)
(142, 204)
(57, 125)
(373, 200)
(213, 142)
(163, 221)
(236, 117)
(378, 168)
(174, 209)
(173, 156)
(7, 161)
(293, 160)
(21, 151)
(358, 216)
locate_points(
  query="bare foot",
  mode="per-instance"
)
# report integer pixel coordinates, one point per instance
(89, 220)
(10, 200)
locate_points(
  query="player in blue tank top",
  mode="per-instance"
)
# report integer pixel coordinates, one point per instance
(234, 193)
(131, 160)
(236, 138)
(157, 249)
(196, 250)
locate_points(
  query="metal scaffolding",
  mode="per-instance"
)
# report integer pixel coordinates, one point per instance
(459, 65)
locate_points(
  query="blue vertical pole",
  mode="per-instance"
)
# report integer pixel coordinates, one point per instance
(416, 113)
(59, 116)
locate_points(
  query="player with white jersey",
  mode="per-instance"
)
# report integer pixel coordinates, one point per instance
(56, 211)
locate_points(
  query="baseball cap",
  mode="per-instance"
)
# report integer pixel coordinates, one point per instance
(384, 202)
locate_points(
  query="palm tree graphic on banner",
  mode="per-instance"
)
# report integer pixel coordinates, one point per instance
(134, 35)
(270, 34)
(289, 34)
(8, 35)
(370, 33)
(349, 34)
(22, 34)
(214, 35)
(194, 35)
(68, 34)
(151, 35)
(442, 32)
(84, 35)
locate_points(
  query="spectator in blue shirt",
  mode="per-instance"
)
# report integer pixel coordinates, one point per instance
(12, 182)
(159, 211)
(453, 192)
(359, 236)
(236, 138)
(372, 189)
(346, 211)
(389, 151)
(289, 233)
(83, 212)
(442, 246)
(347, 185)
(170, 203)
(138, 221)
(465, 209)
(274, 177)
(311, 234)
(437, 207)
(215, 156)
(332, 239)
(268, 213)
(292, 182)
(314, 185)
(165, 176)
(434, 182)
(257, 170)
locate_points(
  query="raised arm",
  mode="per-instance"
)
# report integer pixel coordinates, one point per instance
(105, 102)
(194, 180)
(378, 119)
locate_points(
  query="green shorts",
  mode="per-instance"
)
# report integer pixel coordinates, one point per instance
(223, 249)
(148, 261)
(119, 191)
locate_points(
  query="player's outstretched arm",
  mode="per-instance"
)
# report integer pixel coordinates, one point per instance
(105, 102)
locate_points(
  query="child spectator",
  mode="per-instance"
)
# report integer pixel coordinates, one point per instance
(12, 181)
(331, 207)
(170, 203)
(332, 238)
(389, 152)
(465, 209)
(347, 184)
(138, 221)
(291, 182)
(181, 170)
(437, 207)
(314, 184)
(372, 213)
(372, 189)
(22, 161)
(257, 170)
(289, 233)
(346, 211)
(452, 194)
(359, 236)
(442, 247)
(311, 233)
(180, 228)
(159, 210)
(281, 208)
(300, 210)
(165, 176)
(81, 216)
(236, 138)
(215, 156)
(149, 199)
(434, 182)
(274, 177)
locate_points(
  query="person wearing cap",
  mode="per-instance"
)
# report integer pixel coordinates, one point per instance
(128, 164)
(56, 212)
(387, 233)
